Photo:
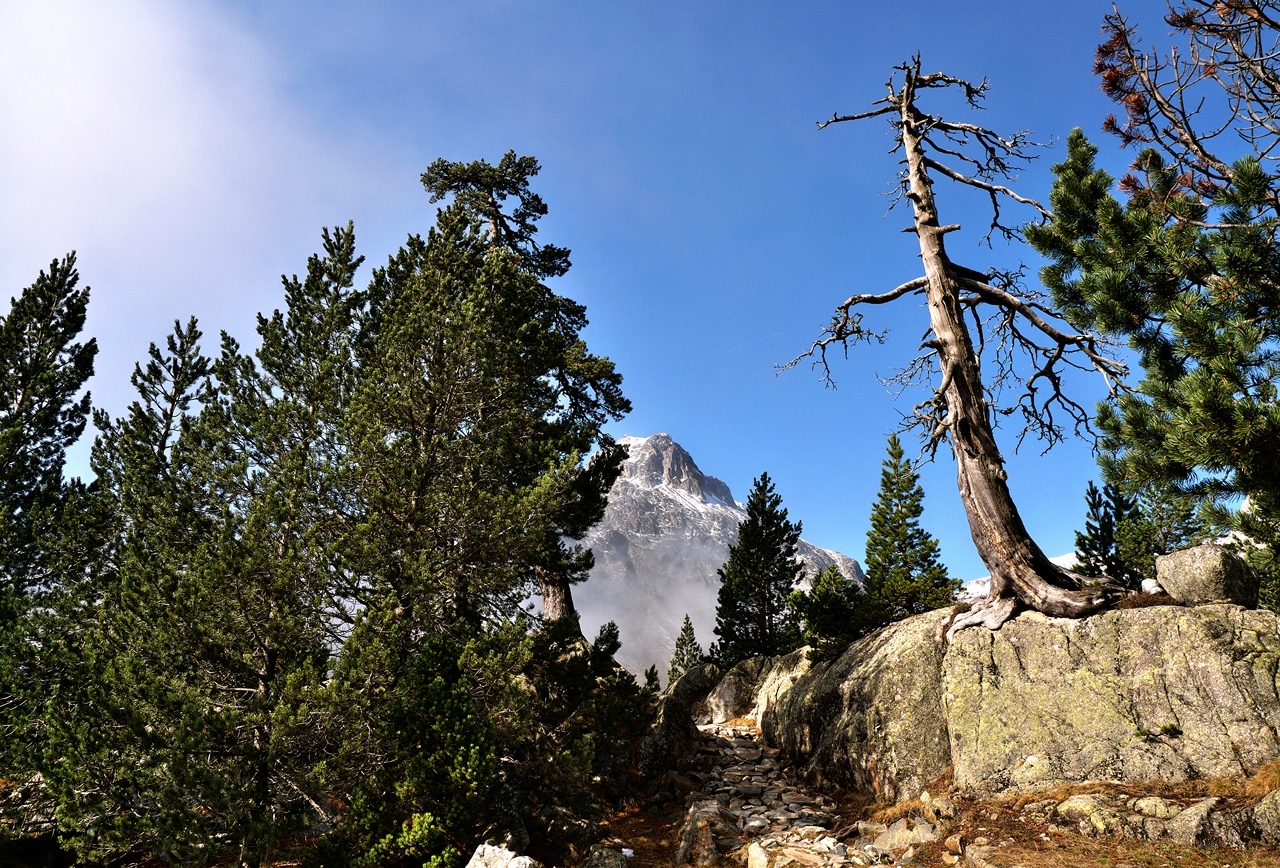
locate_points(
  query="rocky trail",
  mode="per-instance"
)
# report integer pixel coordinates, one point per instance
(752, 808)
(744, 805)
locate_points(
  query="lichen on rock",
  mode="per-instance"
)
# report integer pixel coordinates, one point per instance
(1163, 693)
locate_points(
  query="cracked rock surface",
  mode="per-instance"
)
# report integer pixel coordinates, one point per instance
(1167, 693)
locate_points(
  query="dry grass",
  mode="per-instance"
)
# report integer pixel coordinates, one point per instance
(1240, 792)
(1074, 851)
(1265, 779)
(1143, 600)
(1024, 842)
(893, 813)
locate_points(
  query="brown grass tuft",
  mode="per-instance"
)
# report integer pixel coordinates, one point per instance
(1143, 601)
(893, 813)
(1265, 779)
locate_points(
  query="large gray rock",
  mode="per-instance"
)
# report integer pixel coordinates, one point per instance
(601, 856)
(1208, 574)
(735, 695)
(750, 687)
(1165, 693)
(1266, 816)
(673, 736)
(1161, 693)
(871, 720)
(489, 856)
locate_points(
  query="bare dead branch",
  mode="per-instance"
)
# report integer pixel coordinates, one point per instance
(846, 327)
(837, 118)
(1205, 109)
(1112, 371)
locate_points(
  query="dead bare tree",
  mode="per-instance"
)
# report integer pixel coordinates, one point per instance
(1207, 107)
(1012, 326)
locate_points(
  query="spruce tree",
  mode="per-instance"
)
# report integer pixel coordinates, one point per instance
(905, 574)
(752, 616)
(687, 654)
(833, 613)
(1111, 515)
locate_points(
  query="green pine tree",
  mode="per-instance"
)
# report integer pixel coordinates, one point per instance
(1112, 515)
(833, 613)
(1124, 535)
(1188, 276)
(199, 733)
(752, 616)
(687, 654)
(49, 527)
(464, 487)
(905, 574)
(42, 371)
(292, 599)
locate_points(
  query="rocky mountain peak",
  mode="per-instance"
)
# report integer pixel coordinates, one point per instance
(659, 460)
(666, 531)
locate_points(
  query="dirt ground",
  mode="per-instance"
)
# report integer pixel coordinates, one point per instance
(1018, 842)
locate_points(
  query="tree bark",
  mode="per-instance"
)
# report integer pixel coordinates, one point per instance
(1019, 569)
(557, 598)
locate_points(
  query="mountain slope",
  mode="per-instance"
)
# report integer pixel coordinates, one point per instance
(666, 531)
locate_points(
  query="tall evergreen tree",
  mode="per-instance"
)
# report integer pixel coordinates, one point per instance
(833, 613)
(1111, 515)
(1181, 262)
(1198, 306)
(687, 654)
(46, 523)
(42, 371)
(752, 616)
(213, 628)
(299, 600)
(466, 487)
(905, 574)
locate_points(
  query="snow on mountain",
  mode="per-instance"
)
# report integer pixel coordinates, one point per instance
(666, 531)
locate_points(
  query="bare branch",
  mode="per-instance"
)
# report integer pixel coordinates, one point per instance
(990, 188)
(846, 327)
(838, 118)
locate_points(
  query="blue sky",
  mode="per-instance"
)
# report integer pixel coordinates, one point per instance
(191, 154)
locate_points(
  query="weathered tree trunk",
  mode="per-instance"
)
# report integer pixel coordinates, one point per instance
(1020, 571)
(557, 598)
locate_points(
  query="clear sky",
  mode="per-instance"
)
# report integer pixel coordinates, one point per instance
(191, 153)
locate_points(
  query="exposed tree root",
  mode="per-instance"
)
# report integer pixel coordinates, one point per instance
(987, 612)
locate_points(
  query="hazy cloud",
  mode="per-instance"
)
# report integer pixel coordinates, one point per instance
(157, 140)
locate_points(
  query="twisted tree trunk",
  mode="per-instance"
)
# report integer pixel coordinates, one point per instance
(1021, 574)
